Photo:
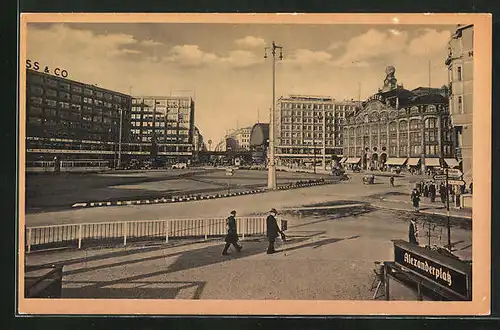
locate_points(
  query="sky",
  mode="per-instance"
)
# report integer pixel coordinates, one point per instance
(223, 65)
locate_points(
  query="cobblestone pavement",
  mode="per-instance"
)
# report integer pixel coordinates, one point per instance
(329, 255)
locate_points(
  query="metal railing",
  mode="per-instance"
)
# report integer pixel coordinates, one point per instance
(102, 233)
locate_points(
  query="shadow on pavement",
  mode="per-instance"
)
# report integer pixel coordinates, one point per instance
(141, 290)
(317, 244)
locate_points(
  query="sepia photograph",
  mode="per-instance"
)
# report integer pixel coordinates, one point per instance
(254, 164)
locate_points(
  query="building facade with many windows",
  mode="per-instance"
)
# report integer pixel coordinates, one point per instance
(460, 63)
(72, 120)
(308, 129)
(162, 127)
(399, 127)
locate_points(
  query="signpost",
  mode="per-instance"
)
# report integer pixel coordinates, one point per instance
(451, 176)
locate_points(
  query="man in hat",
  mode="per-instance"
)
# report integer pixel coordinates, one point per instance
(272, 230)
(232, 234)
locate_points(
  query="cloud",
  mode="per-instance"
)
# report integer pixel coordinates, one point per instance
(335, 45)
(241, 59)
(302, 57)
(190, 56)
(431, 41)
(371, 45)
(250, 42)
(150, 43)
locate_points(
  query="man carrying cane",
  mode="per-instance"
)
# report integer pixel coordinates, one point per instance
(232, 234)
(273, 230)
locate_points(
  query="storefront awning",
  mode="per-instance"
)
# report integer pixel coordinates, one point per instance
(395, 161)
(343, 160)
(451, 162)
(432, 162)
(354, 160)
(413, 161)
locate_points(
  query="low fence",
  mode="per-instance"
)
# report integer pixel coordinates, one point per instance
(80, 235)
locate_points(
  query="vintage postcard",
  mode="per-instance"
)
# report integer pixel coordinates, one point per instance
(255, 164)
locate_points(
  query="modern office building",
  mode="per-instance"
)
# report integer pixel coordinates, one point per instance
(162, 128)
(460, 63)
(309, 130)
(400, 127)
(73, 121)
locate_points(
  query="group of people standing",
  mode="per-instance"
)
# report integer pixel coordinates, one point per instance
(272, 232)
(429, 189)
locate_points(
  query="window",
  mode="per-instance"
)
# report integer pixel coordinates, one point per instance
(51, 82)
(35, 120)
(76, 89)
(50, 93)
(76, 98)
(460, 109)
(35, 111)
(87, 91)
(76, 107)
(459, 71)
(50, 103)
(37, 79)
(63, 105)
(36, 90)
(64, 86)
(50, 112)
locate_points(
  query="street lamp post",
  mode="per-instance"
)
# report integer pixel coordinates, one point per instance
(271, 179)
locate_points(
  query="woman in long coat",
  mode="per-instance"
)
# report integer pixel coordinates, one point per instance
(415, 198)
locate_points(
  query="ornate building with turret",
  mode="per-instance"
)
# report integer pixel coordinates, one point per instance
(400, 127)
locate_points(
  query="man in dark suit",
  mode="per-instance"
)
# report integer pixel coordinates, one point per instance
(272, 230)
(413, 232)
(232, 234)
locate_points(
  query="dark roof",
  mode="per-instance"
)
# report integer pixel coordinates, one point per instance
(427, 99)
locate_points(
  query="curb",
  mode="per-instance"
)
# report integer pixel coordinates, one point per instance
(197, 197)
(421, 211)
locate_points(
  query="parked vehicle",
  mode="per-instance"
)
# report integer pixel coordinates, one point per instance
(179, 166)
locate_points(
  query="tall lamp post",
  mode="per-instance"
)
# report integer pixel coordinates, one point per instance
(271, 179)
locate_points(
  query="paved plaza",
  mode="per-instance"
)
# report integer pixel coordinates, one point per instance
(336, 233)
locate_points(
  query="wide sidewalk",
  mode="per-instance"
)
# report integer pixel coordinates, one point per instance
(325, 258)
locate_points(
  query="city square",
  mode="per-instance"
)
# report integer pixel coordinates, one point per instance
(205, 171)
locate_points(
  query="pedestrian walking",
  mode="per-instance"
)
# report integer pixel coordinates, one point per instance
(413, 232)
(415, 198)
(232, 234)
(426, 190)
(432, 192)
(272, 230)
(442, 193)
(470, 187)
(392, 180)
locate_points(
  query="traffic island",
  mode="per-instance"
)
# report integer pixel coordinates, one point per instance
(197, 197)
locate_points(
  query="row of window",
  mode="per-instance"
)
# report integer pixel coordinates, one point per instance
(162, 102)
(73, 88)
(51, 112)
(289, 142)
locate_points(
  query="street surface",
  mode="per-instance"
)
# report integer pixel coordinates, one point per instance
(336, 233)
(57, 192)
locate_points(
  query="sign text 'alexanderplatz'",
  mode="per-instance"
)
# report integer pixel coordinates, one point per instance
(34, 65)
